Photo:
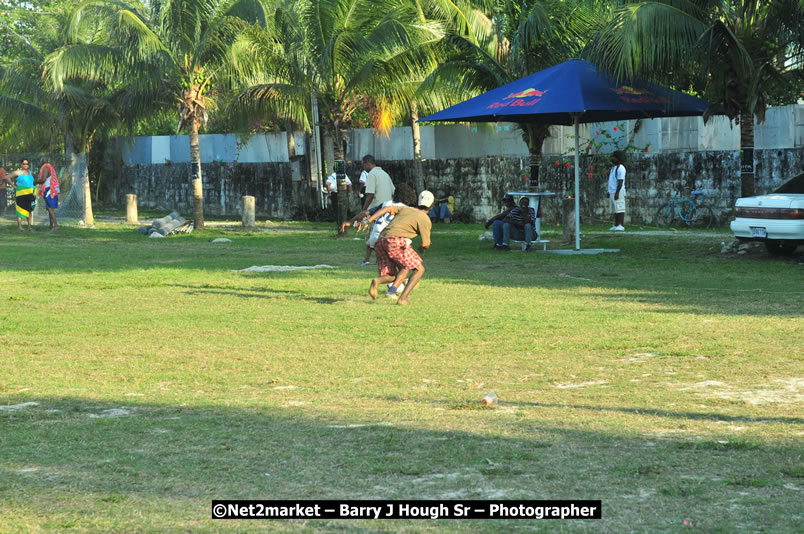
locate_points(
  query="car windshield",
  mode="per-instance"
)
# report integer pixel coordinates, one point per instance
(793, 186)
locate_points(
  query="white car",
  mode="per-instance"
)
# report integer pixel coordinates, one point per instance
(776, 218)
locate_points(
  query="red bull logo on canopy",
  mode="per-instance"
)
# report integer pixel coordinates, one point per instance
(521, 99)
(526, 93)
(634, 95)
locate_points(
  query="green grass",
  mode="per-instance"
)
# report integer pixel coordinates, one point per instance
(665, 380)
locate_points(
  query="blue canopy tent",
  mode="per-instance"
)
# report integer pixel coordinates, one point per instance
(572, 92)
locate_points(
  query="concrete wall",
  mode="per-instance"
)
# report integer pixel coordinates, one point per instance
(783, 128)
(477, 183)
(652, 179)
(228, 148)
(481, 162)
(279, 188)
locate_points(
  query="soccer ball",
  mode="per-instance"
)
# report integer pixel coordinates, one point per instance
(398, 291)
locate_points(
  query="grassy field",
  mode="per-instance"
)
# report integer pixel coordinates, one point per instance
(142, 378)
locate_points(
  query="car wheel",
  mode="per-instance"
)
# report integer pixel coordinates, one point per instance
(664, 217)
(780, 247)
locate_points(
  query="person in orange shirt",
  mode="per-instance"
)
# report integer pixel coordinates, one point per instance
(3, 197)
(49, 190)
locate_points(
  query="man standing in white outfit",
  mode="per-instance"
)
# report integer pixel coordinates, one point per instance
(379, 187)
(616, 190)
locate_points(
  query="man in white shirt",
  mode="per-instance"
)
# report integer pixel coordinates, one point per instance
(332, 185)
(616, 190)
(332, 191)
(379, 187)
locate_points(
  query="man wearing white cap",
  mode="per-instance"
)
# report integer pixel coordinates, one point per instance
(395, 257)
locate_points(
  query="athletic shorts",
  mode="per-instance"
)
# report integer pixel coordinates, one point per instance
(394, 253)
(374, 235)
(52, 202)
(618, 206)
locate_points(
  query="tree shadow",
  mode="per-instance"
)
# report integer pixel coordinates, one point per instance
(254, 293)
(460, 260)
(649, 412)
(87, 460)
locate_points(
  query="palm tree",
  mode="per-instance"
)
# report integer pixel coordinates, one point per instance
(35, 104)
(175, 53)
(327, 50)
(526, 37)
(393, 90)
(738, 53)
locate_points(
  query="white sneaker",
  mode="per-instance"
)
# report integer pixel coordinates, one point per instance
(363, 264)
(618, 228)
(612, 229)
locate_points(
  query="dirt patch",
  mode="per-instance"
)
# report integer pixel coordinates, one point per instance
(17, 407)
(281, 268)
(581, 385)
(112, 412)
(783, 390)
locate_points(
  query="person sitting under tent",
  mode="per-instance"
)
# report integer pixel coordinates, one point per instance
(519, 225)
(496, 222)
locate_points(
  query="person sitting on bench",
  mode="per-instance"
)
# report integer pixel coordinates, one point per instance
(443, 207)
(496, 222)
(519, 224)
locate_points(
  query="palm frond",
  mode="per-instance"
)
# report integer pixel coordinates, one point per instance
(648, 37)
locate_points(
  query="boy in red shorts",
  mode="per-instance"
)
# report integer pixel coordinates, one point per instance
(395, 257)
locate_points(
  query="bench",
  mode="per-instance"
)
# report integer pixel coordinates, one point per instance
(542, 242)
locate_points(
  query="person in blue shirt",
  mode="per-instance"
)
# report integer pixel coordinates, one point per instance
(26, 194)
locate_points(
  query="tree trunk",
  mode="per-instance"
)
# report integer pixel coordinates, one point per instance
(535, 136)
(343, 196)
(327, 152)
(746, 154)
(291, 141)
(80, 178)
(196, 177)
(417, 146)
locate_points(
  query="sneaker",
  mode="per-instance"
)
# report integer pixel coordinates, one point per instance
(363, 264)
(619, 228)
(613, 229)
(504, 247)
(525, 248)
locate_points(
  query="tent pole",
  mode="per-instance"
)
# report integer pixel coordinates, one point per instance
(577, 188)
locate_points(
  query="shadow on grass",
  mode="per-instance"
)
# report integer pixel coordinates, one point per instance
(690, 282)
(256, 293)
(725, 302)
(648, 412)
(78, 455)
